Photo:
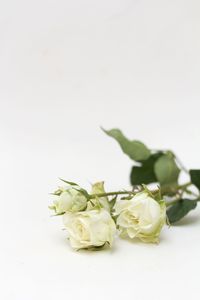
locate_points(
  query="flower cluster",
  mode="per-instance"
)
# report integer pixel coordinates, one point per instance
(93, 219)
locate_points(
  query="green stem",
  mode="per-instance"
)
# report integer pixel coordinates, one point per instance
(112, 194)
(117, 193)
(174, 189)
(177, 200)
(191, 193)
(180, 187)
(183, 186)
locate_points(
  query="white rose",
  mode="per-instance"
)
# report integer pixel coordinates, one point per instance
(141, 217)
(87, 229)
(70, 200)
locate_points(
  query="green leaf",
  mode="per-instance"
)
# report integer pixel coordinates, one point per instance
(112, 202)
(195, 177)
(145, 173)
(69, 182)
(141, 175)
(134, 149)
(166, 169)
(180, 209)
(56, 193)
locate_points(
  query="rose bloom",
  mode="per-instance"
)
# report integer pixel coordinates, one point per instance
(69, 200)
(87, 229)
(141, 217)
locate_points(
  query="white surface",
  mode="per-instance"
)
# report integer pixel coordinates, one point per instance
(67, 67)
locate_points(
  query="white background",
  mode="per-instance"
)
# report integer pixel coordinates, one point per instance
(66, 68)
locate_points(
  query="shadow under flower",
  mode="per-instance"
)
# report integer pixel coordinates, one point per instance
(137, 241)
(93, 250)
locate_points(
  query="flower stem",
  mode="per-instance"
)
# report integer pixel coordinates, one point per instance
(131, 193)
(112, 194)
(177, 200)
(184, 186)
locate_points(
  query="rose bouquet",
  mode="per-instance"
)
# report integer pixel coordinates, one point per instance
(93, 218)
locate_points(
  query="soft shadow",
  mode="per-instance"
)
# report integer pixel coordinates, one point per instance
(105, 249)
(138, 242)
